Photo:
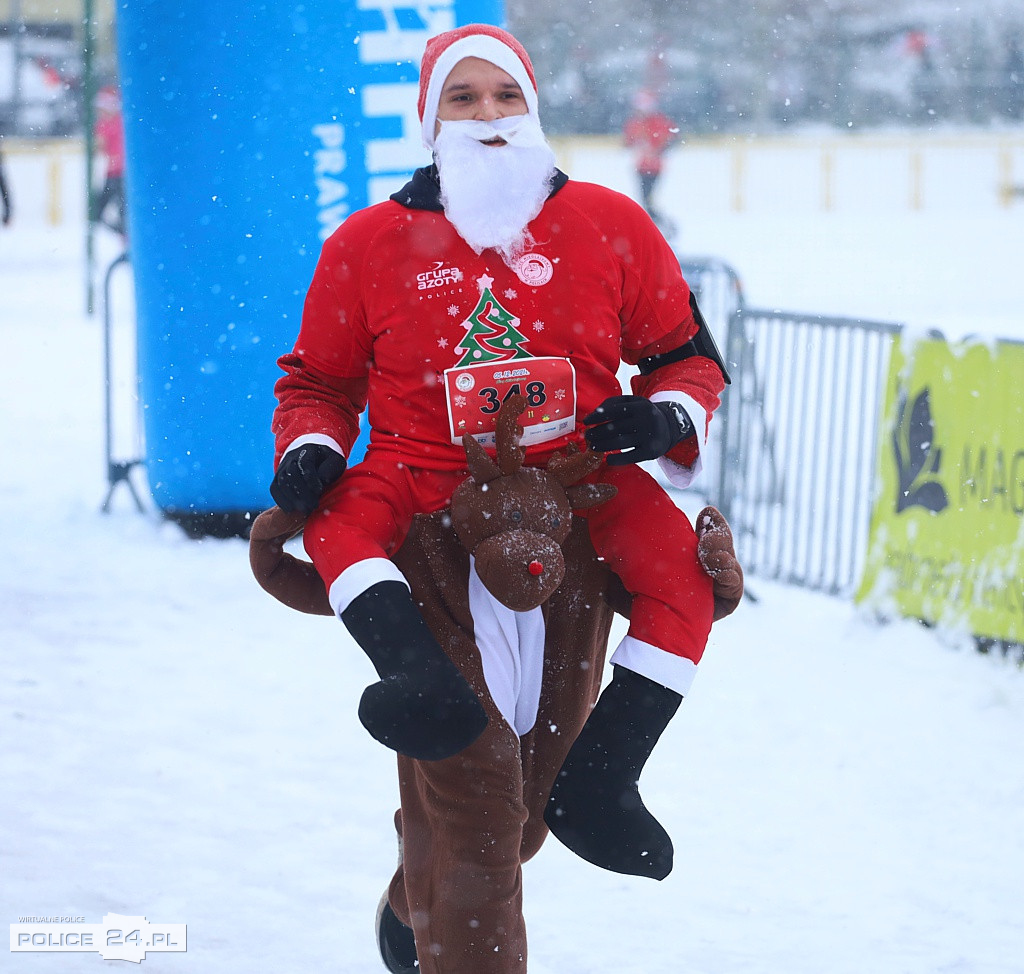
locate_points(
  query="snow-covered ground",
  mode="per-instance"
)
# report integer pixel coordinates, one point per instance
(844, 798)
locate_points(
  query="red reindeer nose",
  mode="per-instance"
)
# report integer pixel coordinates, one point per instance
(535, 568)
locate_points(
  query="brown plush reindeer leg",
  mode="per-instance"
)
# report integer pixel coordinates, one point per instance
(459, 884)
(468, 823)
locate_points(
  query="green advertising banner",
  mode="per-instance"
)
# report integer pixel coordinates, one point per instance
(946, 543)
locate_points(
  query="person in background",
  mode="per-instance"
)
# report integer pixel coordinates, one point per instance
(648, 132)
(109, 134)
(5, 193)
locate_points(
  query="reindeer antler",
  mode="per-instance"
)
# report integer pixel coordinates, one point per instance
(481, 467)
(508, 433)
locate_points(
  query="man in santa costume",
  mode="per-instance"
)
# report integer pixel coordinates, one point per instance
(490, 273)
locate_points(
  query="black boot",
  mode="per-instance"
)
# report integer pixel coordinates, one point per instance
(395, 941)
(422, 707)
(595, 806)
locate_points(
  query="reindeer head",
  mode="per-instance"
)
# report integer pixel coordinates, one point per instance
(513, 519)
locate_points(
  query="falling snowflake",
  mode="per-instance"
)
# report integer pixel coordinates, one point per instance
(453, 310)
(538, 325)
(442, 343)
(457, 274)
(511, 293)
(460, 401)
(559, 393)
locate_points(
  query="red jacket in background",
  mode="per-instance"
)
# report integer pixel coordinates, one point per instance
(109, 134)
(650, 135)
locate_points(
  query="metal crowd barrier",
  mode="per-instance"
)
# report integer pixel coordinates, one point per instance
(792, 465)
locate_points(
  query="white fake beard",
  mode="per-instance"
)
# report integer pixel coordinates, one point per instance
(491, 193)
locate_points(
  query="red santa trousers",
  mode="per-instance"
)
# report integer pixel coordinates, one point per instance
(640, 533)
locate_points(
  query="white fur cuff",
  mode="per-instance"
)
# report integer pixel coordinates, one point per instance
(674, 672)
(357, 578)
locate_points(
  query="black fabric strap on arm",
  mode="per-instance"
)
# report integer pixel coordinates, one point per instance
(703, 343)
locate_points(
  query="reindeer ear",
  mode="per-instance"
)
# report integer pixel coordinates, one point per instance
(589, 495)
(481, 467)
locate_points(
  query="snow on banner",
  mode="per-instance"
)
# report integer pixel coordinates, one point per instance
(946, 542)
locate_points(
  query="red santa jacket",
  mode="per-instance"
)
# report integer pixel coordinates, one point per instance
(400, 307)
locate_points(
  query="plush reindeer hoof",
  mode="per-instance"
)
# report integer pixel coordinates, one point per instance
(595, 806)
(428, 723)
(609, 828)
(422, 707)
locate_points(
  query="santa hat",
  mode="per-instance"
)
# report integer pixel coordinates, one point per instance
(483, 41)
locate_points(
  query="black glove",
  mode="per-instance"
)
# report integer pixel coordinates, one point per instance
(646, 429)
(303, 476)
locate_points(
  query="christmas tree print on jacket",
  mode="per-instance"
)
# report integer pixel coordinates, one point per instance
(492, 331)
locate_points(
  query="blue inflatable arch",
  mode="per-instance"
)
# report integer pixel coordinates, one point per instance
(252, 130)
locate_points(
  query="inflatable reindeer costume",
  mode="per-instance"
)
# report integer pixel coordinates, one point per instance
(510, 586)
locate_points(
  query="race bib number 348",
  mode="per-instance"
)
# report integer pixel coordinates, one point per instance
(475, 394)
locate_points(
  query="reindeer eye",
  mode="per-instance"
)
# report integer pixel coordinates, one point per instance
(516, 516)
(556, 521)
